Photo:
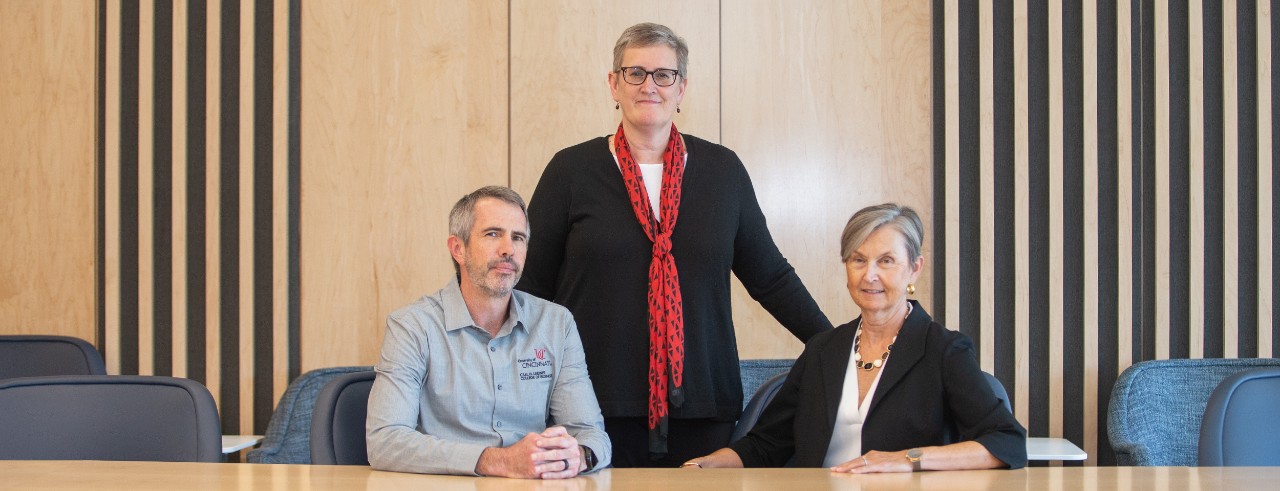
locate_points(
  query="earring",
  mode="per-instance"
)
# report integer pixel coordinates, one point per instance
(911, 289)
(677, 109)
(616, 105)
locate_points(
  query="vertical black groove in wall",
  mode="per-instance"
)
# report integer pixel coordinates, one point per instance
(1275, 176)
(295, 188)
(162, 192)
(1135, 183)
(1247, 104)
(1004, 188)
(100, 178)
(1144, 177)
(1108, 230)
(1213, 180)
(197, 20)
(263, 216)
(970, 189)
(1073, 228)
(129, 34)
(229, 217)
(1179, 197)
(1038, 218)
(939, 58)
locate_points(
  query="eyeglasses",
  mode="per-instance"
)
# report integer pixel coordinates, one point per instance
(662, 77)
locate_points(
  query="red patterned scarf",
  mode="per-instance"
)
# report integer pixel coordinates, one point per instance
(666, 311)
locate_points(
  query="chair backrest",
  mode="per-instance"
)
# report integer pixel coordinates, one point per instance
(1157, 405)
(998, 388)
(106, 417)
(755, 372)
(756, 405)
(337, 424)
(38, 356)
(1241, 424)
(288, 437)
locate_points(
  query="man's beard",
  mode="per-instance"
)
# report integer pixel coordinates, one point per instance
(481, 278)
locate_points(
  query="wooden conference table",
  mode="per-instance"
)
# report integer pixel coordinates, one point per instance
(142, 476)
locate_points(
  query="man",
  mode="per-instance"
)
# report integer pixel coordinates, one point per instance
(471, 375)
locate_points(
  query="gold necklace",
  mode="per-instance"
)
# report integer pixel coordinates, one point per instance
(884, 357)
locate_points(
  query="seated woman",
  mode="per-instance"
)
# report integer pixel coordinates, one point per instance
(892, 391)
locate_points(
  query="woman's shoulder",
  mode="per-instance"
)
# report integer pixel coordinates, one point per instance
(594, 147)
(576, 156)
(945, 338)
(706, 149)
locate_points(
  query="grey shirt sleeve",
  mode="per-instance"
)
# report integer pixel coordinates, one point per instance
(573, 402)
(392, 435)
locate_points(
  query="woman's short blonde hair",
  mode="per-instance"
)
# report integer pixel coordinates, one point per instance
(867, 220)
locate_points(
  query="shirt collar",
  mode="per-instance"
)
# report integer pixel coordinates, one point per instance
(456, 315)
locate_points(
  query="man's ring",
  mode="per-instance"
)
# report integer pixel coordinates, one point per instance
(566, 464)
(864, 461)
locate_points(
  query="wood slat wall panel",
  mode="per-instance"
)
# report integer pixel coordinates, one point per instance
(1159, 182)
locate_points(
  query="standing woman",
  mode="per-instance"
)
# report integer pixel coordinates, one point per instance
(636, 233)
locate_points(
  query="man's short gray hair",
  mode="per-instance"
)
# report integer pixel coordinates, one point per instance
(867, 220)
(463, 216)
(649, 34)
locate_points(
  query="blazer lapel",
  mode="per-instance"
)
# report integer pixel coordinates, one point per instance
(908, 348)
(835, 362)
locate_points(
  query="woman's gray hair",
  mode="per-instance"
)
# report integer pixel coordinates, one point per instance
(867, 220)
(649, 34)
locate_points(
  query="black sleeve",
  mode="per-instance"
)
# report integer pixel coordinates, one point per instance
(548, 229)
(771, 443)
(979, 415)
(766, 274)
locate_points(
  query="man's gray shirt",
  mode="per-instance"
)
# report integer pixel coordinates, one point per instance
(445, 390)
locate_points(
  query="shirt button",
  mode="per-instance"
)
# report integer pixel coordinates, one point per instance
(499, 424)
(492, 349)
(499, 386)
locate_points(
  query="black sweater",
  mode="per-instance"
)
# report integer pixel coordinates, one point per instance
(588, 253)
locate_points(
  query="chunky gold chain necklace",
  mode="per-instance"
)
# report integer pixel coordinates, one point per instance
(884, 357)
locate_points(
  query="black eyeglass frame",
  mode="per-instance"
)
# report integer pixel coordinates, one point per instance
(650, 74)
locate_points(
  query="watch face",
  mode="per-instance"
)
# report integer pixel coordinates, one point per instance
(914, 453)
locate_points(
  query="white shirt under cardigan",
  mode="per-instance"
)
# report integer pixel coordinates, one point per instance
(652, 176)
(846, 437)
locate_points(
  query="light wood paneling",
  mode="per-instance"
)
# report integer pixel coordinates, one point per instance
(47, 176)
(405, 111)
(827, 103)
(1230, 191)
(1265, 192)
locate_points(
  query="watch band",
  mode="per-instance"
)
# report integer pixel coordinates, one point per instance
(588, 457)
(914, 456)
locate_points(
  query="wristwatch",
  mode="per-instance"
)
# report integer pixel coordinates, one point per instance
(588, 457)
(914, 455)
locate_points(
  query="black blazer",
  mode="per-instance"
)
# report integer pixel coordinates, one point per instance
(932, 392)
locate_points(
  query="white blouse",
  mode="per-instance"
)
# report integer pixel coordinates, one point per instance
(846, 437)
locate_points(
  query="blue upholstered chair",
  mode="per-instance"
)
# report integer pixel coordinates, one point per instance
(1157, 406)
(288, 438)
(754, 373)
(755, 406)
(337, 421)
(37, 356)
(998, 388)
(1241, 424)
(105, 417)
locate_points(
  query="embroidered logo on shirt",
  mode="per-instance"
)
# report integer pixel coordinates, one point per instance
(536, 367)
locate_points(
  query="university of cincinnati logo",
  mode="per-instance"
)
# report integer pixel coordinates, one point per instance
(536, 367)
